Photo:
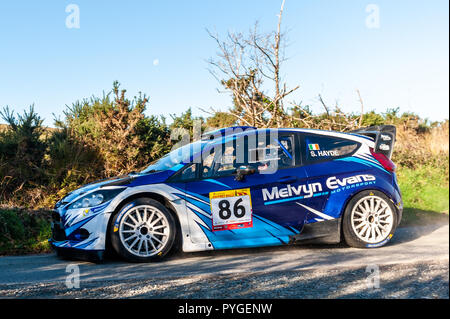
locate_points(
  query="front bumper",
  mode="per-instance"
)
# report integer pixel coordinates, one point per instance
(79, 229)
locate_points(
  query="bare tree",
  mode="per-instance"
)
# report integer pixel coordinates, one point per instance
(362, 107)
(244, 64)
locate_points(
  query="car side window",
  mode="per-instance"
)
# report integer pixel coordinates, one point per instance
(321, 148)
(208, 165)
(224, 162)
(279, 149)
(257, 153)
(227, 164)
(189, 173)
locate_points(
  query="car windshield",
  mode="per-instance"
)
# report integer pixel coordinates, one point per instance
(181, 155)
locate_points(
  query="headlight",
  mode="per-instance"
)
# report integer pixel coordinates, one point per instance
(95, 198)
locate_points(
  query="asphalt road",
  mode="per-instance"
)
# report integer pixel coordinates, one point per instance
(423, 245)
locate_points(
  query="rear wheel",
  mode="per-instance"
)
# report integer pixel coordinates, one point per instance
(144, 230)
(370, 220)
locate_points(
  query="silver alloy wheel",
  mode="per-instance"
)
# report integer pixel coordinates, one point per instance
(372, 219)
(144, 230)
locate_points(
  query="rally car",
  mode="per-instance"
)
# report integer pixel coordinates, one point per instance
(241, 187)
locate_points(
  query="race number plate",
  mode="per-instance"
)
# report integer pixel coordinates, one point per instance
(231, 209)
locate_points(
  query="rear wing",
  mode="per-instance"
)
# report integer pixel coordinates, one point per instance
(383, 136)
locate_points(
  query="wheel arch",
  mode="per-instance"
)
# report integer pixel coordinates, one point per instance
(368, 188)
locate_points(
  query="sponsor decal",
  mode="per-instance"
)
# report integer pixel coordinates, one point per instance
(332, 185)
(380, 243)
(324, 153)
(316, 151)
(305, 190)
(231, 209)
(333, 182)
(119, 216)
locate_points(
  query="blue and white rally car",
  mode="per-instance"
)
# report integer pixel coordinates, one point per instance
(241, 187)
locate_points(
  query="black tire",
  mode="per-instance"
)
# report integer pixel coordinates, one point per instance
(351, 237)
(115, 232)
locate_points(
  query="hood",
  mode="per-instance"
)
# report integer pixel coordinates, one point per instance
(130, 180)
(89, 187)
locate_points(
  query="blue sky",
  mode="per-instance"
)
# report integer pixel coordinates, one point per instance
(403, 63)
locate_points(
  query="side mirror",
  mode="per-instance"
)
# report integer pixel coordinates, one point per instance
(242, 171)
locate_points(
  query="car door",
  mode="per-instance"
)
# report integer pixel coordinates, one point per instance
(258, 210)
(321, 157)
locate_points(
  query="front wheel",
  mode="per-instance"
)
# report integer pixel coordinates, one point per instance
(370, 220)
(143, 230)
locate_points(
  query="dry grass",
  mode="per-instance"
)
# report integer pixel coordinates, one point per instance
(414, 148)
(435, 142)
(438, 140)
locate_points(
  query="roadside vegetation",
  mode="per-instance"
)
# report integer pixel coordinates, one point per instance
(111, 135)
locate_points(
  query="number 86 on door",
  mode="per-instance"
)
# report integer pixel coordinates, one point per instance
(231, 209)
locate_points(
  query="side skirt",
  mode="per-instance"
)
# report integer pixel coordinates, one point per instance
(325, 232)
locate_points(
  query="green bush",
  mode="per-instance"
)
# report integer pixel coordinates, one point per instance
(22, 150)
(24, 232)
(118, 131)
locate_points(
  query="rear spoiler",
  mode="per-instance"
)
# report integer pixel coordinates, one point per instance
(383, 135)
